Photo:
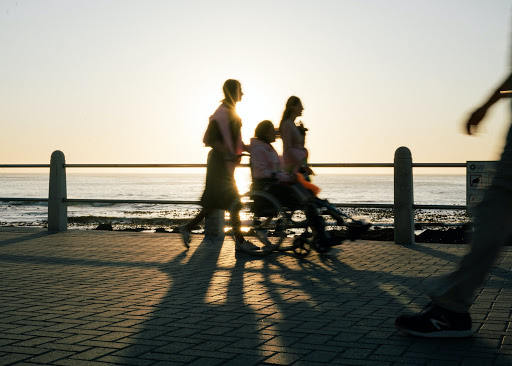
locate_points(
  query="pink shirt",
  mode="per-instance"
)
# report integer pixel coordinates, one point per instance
(294, 152)
(265, 162)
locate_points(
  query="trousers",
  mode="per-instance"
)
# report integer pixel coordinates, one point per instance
(492, 229)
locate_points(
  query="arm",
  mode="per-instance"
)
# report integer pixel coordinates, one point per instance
(213, 138)
(478, 115)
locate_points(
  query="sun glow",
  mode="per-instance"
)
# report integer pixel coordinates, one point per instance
(254, 108)
(243, 179)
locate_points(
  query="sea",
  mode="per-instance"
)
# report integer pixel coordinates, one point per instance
(186, 186)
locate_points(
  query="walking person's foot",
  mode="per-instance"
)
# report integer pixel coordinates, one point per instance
(245, 246)
(436, 322)
(185, 235)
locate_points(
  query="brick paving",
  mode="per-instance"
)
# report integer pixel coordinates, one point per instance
(120, 298)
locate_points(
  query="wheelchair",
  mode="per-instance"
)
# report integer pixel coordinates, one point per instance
(279, 228)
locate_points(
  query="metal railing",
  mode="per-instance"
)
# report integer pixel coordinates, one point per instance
(403, 205)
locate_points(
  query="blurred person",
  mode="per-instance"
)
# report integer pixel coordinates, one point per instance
(268, 175)
(295, 154)
(453, 294)
(224, 137)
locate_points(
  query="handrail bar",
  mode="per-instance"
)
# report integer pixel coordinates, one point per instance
(24, 165)
(173, 202)
(438, 165)
(441, 207)
(3, 199)
(390, 205)
(100, 200)
(314, 165)
(185, 165)
(135, 165)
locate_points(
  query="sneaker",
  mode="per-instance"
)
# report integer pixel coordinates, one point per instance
(246, 246)
(185, 235)
(436, 322)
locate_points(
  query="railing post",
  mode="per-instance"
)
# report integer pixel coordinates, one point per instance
(404, 198)
(214, 224)
(57, 208)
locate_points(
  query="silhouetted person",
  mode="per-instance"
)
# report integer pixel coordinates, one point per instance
(295, 154)
(453, 294)
(224, 137)
(269, 176)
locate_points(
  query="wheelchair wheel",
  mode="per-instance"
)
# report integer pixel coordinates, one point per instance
(301, 246)
(262, 214)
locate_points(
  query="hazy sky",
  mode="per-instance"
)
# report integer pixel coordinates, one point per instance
(123, 81)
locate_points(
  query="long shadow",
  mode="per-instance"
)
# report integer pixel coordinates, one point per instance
(340, 318)
(433, 252)
(277, 309)
(496, 269)
(193, 320)
(20, 239)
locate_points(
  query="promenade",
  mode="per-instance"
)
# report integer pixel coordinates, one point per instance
(124, 298)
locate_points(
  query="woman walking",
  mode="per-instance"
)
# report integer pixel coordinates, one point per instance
(224, 137)
(295, 154)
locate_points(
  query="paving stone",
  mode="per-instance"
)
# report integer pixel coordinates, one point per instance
(107, 298)
(119, 360)
(22, 350)
(283, 358)
(94, 353)
(12, 357)
(50, 357)
(320, 356)
(356, 353)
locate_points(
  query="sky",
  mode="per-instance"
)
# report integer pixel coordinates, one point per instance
(123, 81)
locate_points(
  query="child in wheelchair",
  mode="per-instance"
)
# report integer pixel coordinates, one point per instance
(268, 175)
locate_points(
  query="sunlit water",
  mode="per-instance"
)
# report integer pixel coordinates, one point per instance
(338, 188)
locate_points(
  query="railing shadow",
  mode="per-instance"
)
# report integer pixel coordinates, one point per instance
(20, 239)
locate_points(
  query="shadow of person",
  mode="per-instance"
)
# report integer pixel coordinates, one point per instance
(326, 310)
(204, 315)
(208, 305)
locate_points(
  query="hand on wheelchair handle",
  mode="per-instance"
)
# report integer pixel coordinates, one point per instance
(308, 170)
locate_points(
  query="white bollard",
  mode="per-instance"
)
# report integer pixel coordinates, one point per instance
(57, 208)
(404, 197)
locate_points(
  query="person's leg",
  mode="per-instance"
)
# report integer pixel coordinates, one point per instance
(197, 219)
(492, 228)
(186, 229)
(322, 242)
(331, 210)
(308, 202)
(236, 225)
(452, 294)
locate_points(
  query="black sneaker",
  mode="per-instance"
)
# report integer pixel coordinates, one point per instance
(436, 322)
